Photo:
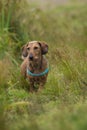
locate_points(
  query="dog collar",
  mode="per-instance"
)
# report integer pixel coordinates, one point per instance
(36, 75)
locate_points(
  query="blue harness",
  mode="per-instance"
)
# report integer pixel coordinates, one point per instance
(40, 74)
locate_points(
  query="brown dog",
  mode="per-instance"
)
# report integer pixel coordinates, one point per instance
(34, 66)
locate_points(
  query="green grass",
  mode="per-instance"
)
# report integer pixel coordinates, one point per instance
(62, 104)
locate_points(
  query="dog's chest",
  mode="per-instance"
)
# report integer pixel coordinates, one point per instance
(37, 79)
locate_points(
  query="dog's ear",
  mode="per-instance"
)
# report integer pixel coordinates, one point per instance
(24, 50)
(44, 47)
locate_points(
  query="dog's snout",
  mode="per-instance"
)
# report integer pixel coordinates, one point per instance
(31, 57)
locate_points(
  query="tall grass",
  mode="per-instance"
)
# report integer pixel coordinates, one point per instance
(62, 103)
(5, 18)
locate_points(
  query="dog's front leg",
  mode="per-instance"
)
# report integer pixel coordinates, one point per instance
(41, 86)
(31, 87)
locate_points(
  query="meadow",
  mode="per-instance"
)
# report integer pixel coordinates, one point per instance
(62, 104)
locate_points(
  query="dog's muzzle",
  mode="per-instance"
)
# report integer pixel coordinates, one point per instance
(30, 57)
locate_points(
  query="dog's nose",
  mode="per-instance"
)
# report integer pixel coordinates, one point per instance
(31, 57)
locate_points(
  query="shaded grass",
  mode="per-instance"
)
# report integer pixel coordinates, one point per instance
(54, 115)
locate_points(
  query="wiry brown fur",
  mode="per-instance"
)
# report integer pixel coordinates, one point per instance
(37, 65)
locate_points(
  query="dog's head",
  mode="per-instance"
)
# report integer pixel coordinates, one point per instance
(34, 50)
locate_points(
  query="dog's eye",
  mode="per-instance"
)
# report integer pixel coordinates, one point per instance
(35, 48)
(28, 48)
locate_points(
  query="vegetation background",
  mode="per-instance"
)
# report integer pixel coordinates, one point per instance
(62, 105)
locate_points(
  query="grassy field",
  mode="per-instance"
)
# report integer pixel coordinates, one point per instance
(62, 105)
